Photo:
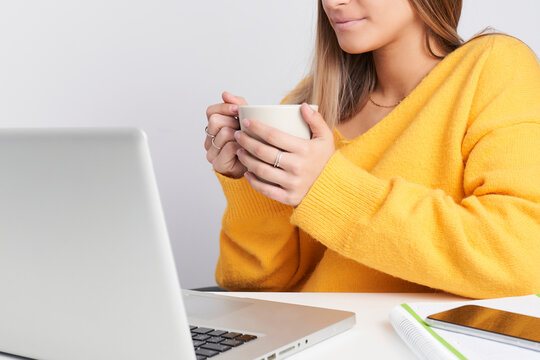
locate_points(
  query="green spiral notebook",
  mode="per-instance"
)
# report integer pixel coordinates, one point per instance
(431, 343)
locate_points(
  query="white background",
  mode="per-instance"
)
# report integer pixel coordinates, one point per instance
(157, 65)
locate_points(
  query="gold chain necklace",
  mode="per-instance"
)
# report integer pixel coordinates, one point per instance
(384, 106)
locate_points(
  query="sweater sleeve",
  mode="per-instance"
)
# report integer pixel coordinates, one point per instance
(259, 248)
(485, 245)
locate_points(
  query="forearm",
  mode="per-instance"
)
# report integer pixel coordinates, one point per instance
(259, 248)
(484, 246)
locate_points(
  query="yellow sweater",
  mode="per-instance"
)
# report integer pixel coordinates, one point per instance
(443, 193)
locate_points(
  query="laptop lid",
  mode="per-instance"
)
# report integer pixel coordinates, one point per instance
(86, 269)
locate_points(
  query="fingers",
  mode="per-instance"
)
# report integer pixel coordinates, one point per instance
(224, 136)
(268, 190)
(272, 136)
(262, 169)
(222, 109)
(223, 115)
(216, 122)
(228, 107)
(219, 143)
(233, 99)
(226, 163)
(260, 150)
(315, 121)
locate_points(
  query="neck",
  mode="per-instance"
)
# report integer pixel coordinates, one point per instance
(401, 65)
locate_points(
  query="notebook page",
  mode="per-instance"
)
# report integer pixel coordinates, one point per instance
(417, 338)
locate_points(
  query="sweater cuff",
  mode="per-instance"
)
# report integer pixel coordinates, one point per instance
(343, 195)
(244, 202)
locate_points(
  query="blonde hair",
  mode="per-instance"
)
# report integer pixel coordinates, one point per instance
(340, 82)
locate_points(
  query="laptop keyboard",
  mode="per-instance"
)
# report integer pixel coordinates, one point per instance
(211, 342)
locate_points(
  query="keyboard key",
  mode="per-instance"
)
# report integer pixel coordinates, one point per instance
(196, 343)
(209, 342)
(231, 335)
(206, 352)
(215, 339)
(201, 330)
(231, 342)
(245, 337)
(216, 347)
(200, 337)
(217, 333)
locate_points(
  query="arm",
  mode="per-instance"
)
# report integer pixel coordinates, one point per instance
(260, 249)
(485, 245)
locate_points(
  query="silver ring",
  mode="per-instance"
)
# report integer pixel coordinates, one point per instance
(208, 134)
(214, 144)
(278, 158)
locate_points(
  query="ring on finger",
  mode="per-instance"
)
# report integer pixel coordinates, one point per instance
(278, 158)
(208, 134)
(214, 144)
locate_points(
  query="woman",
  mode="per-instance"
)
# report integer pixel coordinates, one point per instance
(422, 173)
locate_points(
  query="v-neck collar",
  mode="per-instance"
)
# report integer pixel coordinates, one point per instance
(404, 104)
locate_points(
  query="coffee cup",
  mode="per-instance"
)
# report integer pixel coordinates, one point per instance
(286, 118)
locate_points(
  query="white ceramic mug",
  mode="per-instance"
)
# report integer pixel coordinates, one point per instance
(286, 118)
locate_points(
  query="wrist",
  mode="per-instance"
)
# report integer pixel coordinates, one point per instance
(230, 175)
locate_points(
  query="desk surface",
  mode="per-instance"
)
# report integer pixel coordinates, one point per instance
(373, 337)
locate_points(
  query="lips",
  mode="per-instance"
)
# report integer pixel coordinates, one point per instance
(344, 24)
(342, 19)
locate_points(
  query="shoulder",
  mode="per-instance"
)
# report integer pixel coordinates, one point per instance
(506, 86)
(493, 56)
(504, 49)
(500, 60)
(495, 38)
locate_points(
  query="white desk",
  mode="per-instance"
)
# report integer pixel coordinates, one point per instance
(371, 338)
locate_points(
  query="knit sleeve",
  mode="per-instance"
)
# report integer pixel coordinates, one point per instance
(485, 245)
(259, 248)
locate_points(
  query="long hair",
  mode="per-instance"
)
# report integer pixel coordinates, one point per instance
(340, 82)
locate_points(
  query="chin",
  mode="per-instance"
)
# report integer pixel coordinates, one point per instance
(355, 47)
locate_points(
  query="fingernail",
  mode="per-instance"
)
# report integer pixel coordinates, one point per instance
(239, 152)
(310, 108)
(237, 134)
(246, 122)
(234, 108)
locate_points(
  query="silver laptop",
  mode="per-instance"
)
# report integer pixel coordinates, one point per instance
(86, 268)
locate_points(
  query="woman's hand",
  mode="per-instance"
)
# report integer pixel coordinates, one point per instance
(220, 144)
(299, 165)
